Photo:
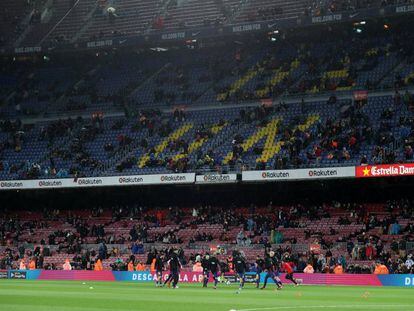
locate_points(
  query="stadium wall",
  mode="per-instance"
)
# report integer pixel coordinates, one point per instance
(406, 280)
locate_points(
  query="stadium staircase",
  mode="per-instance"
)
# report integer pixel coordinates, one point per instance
(269, 131)
(195, 145)
(238, 84)
(164, 143)
(277, 77)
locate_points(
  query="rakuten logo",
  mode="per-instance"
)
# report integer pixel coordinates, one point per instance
(90, 181)
(50, 183)
(274, 175)
(216, 178)
(11, 184)
(317, 173)
(167, 178)
(130, 180)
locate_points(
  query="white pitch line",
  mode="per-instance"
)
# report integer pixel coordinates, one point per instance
(329, 307)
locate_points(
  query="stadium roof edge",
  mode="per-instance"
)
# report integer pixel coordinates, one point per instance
(171, 36)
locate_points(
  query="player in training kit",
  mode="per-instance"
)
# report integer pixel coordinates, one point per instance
(240, 267)
(214, 269)
(159, 266)
(289, 272)
(205, 264)
(175, 267)
(259, 264)
(272, 270)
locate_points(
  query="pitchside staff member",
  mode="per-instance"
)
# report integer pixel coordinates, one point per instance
(175, 267)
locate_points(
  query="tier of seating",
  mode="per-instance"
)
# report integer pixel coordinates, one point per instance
(346, 230)
(82, 20)
(63, 21)
(230, 74)
(123, 133)
(12, 13)
(313, 134)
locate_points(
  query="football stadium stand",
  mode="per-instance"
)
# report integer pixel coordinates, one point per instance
(187, 111)
(355, 235)
(331, 96)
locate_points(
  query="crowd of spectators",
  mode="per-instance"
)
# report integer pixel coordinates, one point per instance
(332, 141)
(355, 252)
(338, 139)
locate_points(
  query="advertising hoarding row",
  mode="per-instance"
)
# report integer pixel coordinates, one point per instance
(368, 171)
(161, 179)
(406, 280)
(299, 174)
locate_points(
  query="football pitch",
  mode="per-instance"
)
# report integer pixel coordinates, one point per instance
(74, 295)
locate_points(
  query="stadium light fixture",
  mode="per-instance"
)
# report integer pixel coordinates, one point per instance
(361, 23)
(159, 49)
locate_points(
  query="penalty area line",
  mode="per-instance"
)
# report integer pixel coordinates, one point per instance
(379, 306)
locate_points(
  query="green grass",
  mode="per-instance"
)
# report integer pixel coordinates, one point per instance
(72, 295)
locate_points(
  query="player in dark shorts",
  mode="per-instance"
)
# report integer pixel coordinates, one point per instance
(205, 264)
(175, 267)
(259, 264)
(159, 267)
(240, 267)
(272, 270)
(214, 269)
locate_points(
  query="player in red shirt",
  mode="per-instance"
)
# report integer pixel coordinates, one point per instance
(287, 267)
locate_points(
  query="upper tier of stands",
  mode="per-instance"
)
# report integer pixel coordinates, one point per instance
(130, 136)
(230, 73)
(64, 21)
(71, 21)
